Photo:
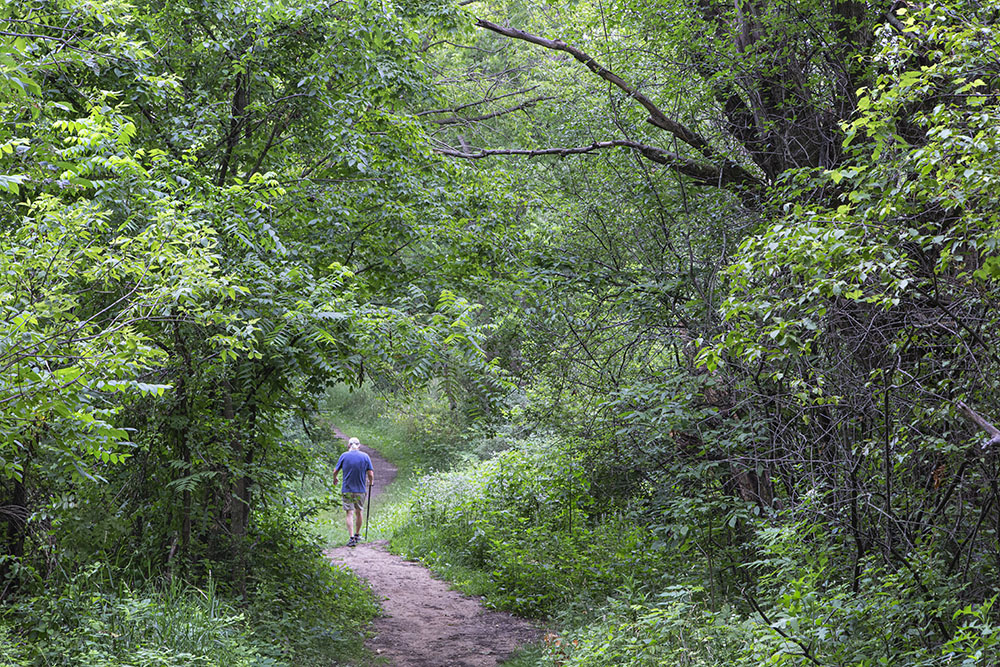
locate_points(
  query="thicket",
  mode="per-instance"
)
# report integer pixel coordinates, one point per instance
(537, 529)
(210, 212)
(761, 293)
(727, 344)
(526, 517)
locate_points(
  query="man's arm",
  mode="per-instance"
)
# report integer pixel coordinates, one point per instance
(371, 477)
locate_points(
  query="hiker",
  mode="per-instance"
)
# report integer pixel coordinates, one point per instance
(357, 469)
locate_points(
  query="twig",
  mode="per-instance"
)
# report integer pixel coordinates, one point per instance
(457, 120)
(476, 103)
(806, 653)
(705, 174)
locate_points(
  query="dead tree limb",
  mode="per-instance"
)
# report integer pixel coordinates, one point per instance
(705, 174)
(458, 120)
(990, 429)
(726, 171)
(656, 116)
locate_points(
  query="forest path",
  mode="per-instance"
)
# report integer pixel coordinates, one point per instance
(425, 622)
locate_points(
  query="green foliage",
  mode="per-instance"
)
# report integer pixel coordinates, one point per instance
(79, 283)
(801, 613)
(526, 518)
(672, 630)
(97, 621)
(975, 641)
(303, 610)
(808, 445)
(211, 212)
(300, 611)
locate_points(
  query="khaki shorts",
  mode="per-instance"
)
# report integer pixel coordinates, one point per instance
(353, 501)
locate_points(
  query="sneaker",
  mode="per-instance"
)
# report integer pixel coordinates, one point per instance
(353, 542)
(357, 538)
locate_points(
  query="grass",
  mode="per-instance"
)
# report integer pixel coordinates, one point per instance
(469, 580)
(101, 617)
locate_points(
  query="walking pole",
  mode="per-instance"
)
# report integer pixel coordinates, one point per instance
(368, 513)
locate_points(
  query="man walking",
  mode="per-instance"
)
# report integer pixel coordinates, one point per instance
(357, 467)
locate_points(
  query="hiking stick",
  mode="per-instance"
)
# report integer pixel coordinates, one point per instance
(368, 512)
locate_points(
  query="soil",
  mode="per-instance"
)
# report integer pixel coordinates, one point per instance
(426, 623)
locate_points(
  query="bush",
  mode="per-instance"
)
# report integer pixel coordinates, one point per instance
(527, 521)
(92, 621)
(302, 608)
(673, 631)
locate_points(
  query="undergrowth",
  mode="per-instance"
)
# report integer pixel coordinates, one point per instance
(529, 523)
(523, 529)
(310, 616)
(297, 608)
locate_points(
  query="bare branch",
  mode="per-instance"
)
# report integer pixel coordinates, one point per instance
(656, 116)
(705, 174)
(891, 19)
(725, 172)
(990, 429)
(457, 120)
(476, 103)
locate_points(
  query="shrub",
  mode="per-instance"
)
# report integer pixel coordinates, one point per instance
(673, 631)
(92, 621)
(302, 608)
(527, 520)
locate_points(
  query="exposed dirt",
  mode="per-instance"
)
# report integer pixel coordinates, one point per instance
(425, 622)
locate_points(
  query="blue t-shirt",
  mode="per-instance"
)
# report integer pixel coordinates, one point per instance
(355, 464)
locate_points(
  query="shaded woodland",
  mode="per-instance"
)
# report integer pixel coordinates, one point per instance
(686, 308)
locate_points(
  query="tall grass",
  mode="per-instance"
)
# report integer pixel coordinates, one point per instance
(96, 620)
(300, 612)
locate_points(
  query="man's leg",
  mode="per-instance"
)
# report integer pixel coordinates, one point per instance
(350, 523)
(358, 522)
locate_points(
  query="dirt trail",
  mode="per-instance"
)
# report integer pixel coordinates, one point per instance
(426, 623)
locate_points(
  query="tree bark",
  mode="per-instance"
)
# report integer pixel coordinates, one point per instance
(240, 96)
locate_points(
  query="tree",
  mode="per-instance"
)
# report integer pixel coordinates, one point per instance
(826, 379)
(868, 324)
(762, 86)
(215, 212)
